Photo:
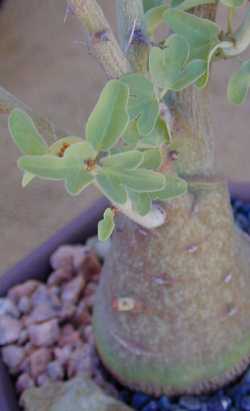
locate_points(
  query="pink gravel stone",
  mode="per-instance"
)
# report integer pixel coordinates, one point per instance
(24, 382)
(13, 356)
(69, 256)
(55, 371)
(10, 329)
(72, 290)
(39, 361)
(40, 313)
(22, 290)
(63, 354)
(44, 334)
(60, 276)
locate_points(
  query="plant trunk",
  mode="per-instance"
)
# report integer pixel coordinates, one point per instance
(172, 309)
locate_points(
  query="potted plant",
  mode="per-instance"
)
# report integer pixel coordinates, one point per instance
(174, 288)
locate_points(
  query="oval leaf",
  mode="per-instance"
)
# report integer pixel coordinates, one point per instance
(109, 118)
(76, 181)
(111, 187)
(152, 159)
(106, 225)
(139, 180)
(174, 187)
(48, 166)
(153, 18)
(25, 134)
(82, 151)
(141, 202)
(60, 146)
(128, 160)
(239, 84)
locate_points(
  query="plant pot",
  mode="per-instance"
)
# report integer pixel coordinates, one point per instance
(36, 265)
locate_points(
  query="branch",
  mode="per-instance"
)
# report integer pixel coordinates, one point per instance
(241, 38)
(8, 102)
(102, 42)
(130, 19)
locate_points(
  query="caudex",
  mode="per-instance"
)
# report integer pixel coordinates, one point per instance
(172, 310)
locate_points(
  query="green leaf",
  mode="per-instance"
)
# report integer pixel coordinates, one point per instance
(131, 134)
(189, 4)
(128, 160)
(77, 181)
(233, 3)
(166, 64)
(141, 202)
(81, 151)
(159, 135)
(109, 118)
(62, 145)
(111, 187)
(25, 134)
(174, 187)
(239, 84)
(27, 178)
(48, 166)
(149, 4)
(201, 34)
(192, 72)
(139, 180)
(142, 104)
(106, 225)
(153, 18)
(152, 159)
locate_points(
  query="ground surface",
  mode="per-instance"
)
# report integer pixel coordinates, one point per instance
(42, 63)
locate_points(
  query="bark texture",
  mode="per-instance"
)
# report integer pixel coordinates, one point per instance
(172, 310)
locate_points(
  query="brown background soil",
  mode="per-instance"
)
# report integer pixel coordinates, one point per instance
(45, 63)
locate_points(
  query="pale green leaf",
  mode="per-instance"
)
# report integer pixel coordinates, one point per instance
(111, 187)
(48, 166)
(25, 134)
(60, 146)
(233, 3)
(77, 180)
(166, 64)
(142, 104)
(106, 225)
(192, 72)
(189, 4)
(201, 34)
(131, 134)
(149, 4)
(153, 18)
(239, 84)
(82, 151)
(128, 160)
(139, 180)
(27, 178)
(174, 187)
(159, 135)
(152, 159)
(141, 202)
(109, 118)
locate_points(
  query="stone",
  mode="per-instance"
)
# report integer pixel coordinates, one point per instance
(39, 360)
(245, 403)
(66, 312)
(82, 315)
(24, 382)
(41, 313)
(55, 371)
(79, 394)
(69, 256)
(139, 400)
(13, 356)
(26, 289)
(7, 307)
(10, 329)
(62, 355)
(41, 296)
(43, 379)
(44, 334)
(164, 403)
(69, 337)
(60, 276)
(72, 290)
(23, 337)
(24, 305)
(190, 403)
(80, 362)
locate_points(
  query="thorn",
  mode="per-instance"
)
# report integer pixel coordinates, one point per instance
(192, 248)
(130, 40)
(228, 278)
(68, 12)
